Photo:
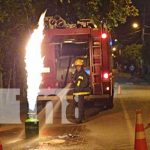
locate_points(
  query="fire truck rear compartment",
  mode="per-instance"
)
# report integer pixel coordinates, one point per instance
(64, 46)
(66, 55)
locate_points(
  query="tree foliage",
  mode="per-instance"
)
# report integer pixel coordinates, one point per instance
(112, 12)
(18, 17)
(14, 24)
(133, 53)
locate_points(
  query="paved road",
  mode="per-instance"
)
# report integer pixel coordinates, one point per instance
(105, 129)
(115, 128)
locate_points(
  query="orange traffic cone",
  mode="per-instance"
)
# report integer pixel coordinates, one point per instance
(140, 140)
(1, 147)
(119, 89)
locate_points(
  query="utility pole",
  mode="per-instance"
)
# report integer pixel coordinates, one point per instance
(143, 27)
(144, 36)
(143, 39)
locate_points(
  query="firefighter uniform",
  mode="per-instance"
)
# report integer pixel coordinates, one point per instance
(81, 88)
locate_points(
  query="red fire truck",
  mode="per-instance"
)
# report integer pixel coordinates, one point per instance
(63, 45)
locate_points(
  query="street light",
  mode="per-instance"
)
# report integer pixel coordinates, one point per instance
(114, 49)
(116, 40)
(135, 25)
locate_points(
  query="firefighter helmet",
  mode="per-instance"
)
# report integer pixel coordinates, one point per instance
(79, 62)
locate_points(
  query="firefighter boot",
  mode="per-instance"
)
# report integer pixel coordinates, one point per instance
(81, 103)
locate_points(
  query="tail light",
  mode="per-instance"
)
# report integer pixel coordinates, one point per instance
(105, 75)
(107, 88)
(104, 36)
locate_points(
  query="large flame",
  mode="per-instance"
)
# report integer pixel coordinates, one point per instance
(34, 63)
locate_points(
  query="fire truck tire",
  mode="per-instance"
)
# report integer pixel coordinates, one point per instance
(110, 103)
(110, 100)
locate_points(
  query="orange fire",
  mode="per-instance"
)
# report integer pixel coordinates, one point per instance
(34, 63)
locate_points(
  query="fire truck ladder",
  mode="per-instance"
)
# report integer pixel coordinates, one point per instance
(95, 61)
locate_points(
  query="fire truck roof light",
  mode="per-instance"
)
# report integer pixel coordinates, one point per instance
(104, 35)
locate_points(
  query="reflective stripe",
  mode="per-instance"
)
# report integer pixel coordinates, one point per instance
(139, 119)
(140, 135)
(78, 84)
(46, 70)
(80, 77)
(81, 93)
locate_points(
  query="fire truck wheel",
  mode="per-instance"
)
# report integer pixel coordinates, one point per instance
(110, 100)
(110, 103)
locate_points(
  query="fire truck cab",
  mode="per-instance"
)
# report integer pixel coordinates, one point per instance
(61, 48)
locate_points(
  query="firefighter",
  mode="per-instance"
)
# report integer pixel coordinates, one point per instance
(81, 87)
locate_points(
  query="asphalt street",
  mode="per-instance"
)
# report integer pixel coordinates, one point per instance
(112, 129)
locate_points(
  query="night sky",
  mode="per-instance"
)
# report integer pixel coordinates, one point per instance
(125, 33)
